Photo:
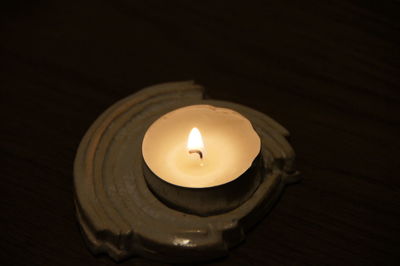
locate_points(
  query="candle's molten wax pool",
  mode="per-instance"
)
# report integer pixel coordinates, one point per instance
(223, 151)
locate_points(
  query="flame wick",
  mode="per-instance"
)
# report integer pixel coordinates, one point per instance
(195, 142)
(198, 152)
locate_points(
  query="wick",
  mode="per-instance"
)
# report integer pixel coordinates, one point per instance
(198, 152)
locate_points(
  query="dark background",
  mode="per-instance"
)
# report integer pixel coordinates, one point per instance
(326, 70)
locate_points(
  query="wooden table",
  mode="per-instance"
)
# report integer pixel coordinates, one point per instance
(328, 71)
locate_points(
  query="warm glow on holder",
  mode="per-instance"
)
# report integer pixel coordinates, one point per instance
(195, 142)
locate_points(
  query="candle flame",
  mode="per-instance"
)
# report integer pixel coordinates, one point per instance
(195, 140)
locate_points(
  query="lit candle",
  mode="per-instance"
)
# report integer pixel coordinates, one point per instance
(200, 146)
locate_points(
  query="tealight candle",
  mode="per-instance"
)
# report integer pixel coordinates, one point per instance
(201, 147)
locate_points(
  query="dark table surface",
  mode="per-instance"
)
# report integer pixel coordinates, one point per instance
(327, 70)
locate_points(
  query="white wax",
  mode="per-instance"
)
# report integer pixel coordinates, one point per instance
(230, 146)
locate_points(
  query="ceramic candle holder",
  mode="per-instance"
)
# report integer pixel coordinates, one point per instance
(125, 210)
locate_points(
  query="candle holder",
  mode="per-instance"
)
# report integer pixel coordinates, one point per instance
(124, 210)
